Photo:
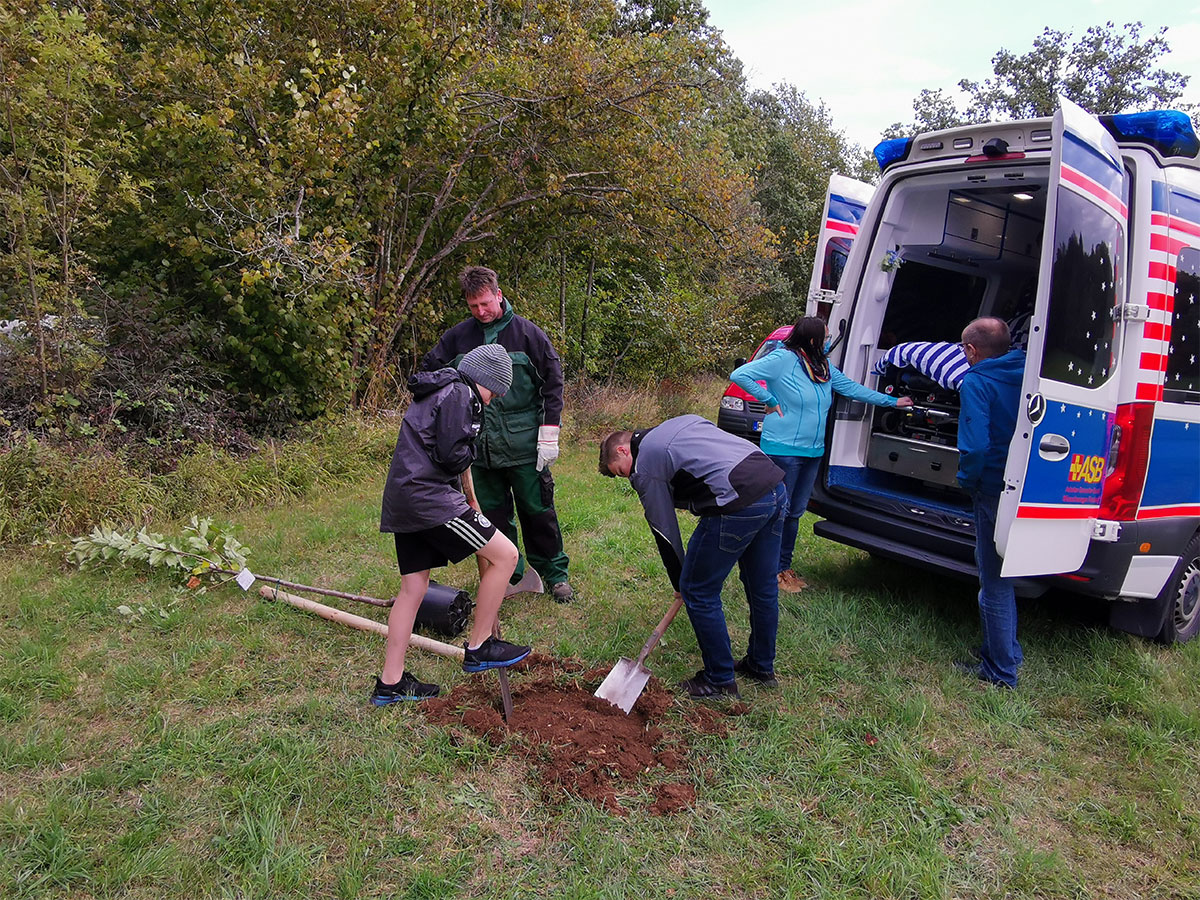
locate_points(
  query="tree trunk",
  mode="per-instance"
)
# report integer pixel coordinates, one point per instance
(562, 292)
(587, 296)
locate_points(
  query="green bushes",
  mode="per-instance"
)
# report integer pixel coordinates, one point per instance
(58, 490)
(48, 491)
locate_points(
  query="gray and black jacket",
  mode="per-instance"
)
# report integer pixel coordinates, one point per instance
(435, 445)
(689, 463)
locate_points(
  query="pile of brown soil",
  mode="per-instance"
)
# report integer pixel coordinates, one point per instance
(578, 744)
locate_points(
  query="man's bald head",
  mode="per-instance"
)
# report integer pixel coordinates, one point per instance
(986, 338)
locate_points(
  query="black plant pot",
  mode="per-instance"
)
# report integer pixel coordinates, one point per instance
(444, 610)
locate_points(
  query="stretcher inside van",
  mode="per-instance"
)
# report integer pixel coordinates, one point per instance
(1083, 233)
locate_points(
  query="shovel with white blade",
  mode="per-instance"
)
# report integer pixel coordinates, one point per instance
(625, 683)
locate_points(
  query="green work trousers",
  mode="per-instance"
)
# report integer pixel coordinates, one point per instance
(521, 492)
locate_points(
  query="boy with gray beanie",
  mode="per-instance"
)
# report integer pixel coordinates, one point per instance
(432, 521)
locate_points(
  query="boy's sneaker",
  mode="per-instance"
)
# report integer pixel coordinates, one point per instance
(493, 654)
(700, 687)
(407, 688)
(766, 679)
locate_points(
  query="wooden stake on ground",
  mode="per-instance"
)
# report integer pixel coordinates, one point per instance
(359, 622)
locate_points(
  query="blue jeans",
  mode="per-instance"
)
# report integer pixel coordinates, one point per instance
(1000, 653)
(799, 476)
(749, 537)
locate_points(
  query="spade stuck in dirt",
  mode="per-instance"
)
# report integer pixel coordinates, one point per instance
(625, 683)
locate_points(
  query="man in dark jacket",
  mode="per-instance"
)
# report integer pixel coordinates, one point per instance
(432, 522)
(689, 463)
(990, 396)
(520, 431)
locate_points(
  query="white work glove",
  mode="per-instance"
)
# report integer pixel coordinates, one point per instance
(547, 446)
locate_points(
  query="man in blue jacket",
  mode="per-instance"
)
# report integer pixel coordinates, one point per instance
(990, 397)
(689, 463)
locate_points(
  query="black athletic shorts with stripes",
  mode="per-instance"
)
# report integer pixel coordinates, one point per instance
(450, 542)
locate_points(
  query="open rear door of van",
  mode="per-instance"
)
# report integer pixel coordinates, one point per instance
(845, 202)
(1056, 461)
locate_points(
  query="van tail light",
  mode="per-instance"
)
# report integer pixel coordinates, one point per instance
(1128, 458)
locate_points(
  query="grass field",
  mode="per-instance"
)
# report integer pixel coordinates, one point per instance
(222, 746)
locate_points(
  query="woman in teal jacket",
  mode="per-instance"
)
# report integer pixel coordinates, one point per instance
(799, 384)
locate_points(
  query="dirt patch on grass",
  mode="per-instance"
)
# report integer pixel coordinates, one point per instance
(580, 745)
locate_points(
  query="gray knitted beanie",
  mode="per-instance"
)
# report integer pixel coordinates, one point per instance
(489, 366)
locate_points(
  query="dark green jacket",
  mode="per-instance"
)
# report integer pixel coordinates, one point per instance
(510, 423)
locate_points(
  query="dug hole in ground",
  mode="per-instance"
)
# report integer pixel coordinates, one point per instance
(575, 743)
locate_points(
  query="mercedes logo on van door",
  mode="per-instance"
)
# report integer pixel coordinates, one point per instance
(1036, 408)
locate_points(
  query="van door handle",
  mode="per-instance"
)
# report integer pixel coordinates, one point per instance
(1053, 447)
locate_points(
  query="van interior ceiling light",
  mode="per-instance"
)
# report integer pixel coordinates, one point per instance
(1021, 195)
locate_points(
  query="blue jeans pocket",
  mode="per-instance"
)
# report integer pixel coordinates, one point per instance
(738, 531)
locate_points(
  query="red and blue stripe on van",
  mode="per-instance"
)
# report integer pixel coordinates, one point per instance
(845, 215)
(1172, 485)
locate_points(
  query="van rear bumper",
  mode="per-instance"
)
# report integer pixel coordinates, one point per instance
(922, 557)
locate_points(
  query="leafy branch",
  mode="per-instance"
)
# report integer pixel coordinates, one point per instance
(204, 551)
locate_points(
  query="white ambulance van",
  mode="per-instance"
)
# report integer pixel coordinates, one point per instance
(1084, 233)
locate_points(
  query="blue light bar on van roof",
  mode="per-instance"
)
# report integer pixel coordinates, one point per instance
(1166, 130)
(894, 150)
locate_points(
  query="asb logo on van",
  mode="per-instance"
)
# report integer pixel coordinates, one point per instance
(1065, 483)
(1086, 468)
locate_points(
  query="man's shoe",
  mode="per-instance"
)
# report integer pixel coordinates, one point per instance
(976, 654)
(493, 654)
(790, 582)
(700, 687)
(407, 688)
(766, 679)
(975, 670)
(562, 592)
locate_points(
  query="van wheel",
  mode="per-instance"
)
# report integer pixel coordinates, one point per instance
(1183, 598)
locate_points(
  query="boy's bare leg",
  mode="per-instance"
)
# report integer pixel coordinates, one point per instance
(500, 554)
(400, 624)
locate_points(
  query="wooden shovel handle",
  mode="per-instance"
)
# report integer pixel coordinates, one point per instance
(658, 632)
(468, 487)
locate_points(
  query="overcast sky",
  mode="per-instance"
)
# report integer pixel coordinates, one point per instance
(868, 59)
